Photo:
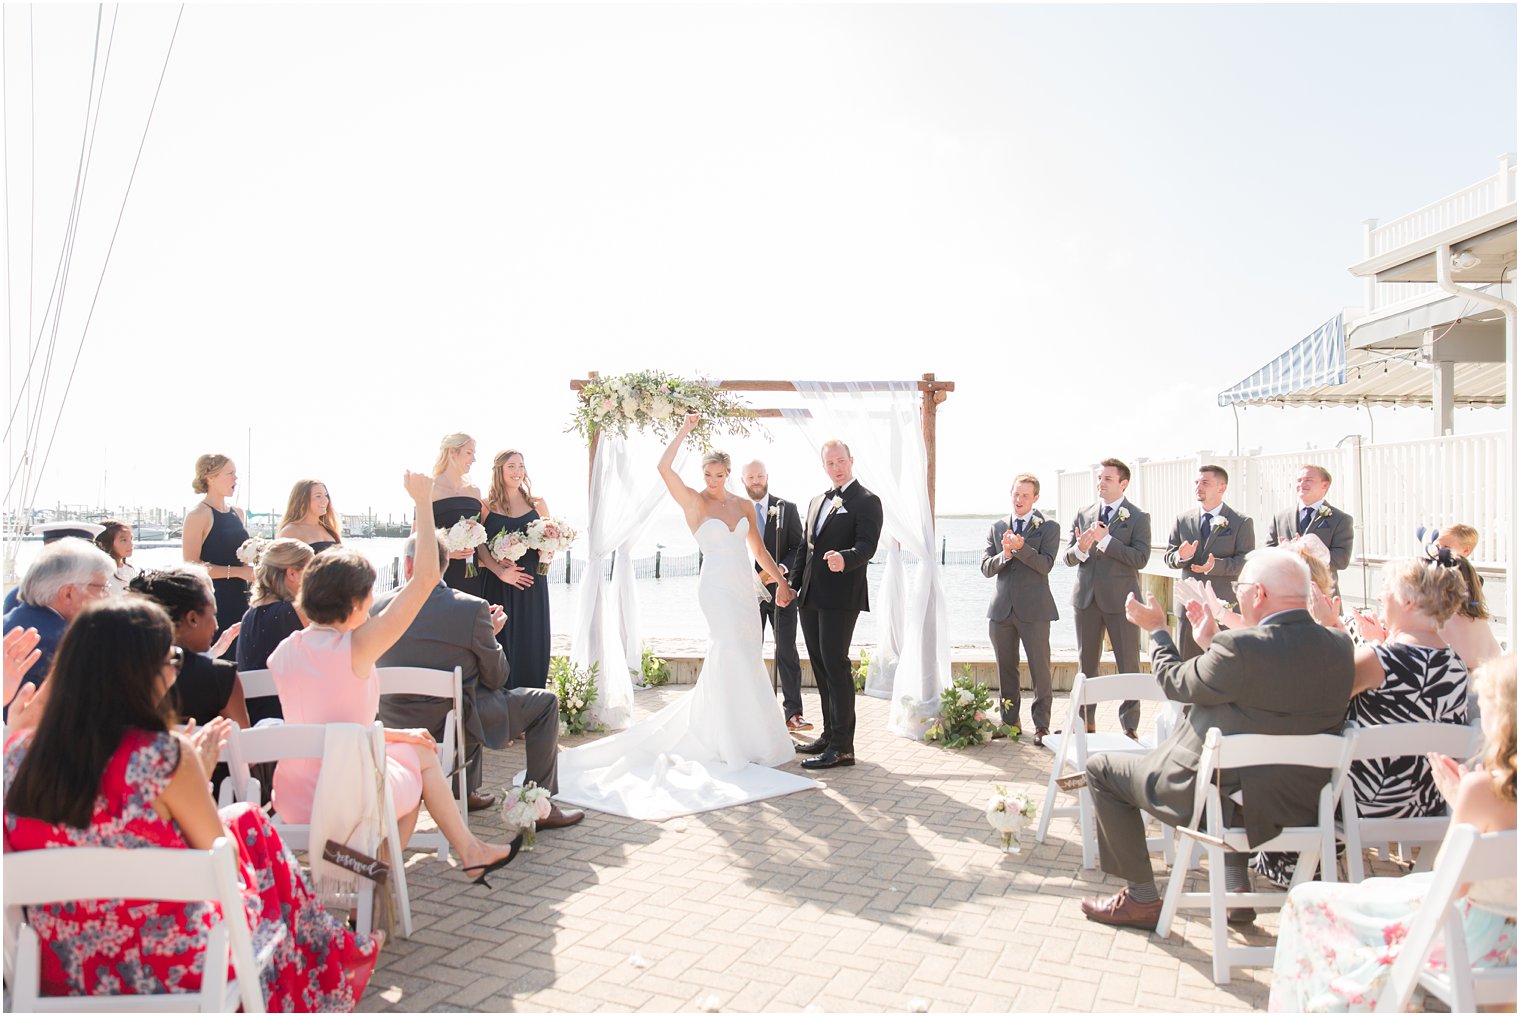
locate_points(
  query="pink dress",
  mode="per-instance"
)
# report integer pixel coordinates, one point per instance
(313, 672)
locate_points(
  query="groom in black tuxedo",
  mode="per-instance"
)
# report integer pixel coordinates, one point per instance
(843, 527)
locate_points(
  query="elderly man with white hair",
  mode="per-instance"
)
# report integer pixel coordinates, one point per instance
(1280, 674)
(65, 576)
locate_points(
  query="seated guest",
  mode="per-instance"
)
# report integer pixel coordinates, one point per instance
(51, 533)
(1460, 539)
(116, 539)
(325, 673)
(1281, 674)
(1337, 943)
(457, 629)
(1468, 631)
(66, 575)
(207, 687)
(310, 518)
(103, 768)
(274, 614)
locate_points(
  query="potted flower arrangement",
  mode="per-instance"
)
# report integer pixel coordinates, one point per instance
(966, 715)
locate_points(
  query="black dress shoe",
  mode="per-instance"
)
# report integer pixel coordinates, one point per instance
(812, 747)
(830, 759)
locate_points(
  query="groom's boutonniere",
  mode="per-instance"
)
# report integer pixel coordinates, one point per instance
(837, 503)
(1123, 514)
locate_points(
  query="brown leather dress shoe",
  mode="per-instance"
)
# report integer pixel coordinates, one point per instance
(1122, 911)
(1040, 734)
(559, 818)
(480, 802)
(1132, 734)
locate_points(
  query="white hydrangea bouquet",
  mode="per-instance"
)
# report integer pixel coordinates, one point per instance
(547, 536)
(1008, 813)
(509, 546)
(655, 401)
(466, 534)
(250, 550)
(523, 808)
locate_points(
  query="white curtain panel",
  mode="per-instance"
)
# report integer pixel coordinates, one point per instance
(622, 500)
(880, 423)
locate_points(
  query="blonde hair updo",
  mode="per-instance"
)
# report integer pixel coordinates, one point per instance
(204, 467)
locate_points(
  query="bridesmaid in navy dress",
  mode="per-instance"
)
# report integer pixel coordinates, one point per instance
(213, 533)
(454, 498)
(310, 517)
(520, 590)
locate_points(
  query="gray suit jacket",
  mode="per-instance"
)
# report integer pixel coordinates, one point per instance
(1335, 529)
(452, 629)
(1287, 675)
(1023, 581)
(1229, 546)
(1108, 576)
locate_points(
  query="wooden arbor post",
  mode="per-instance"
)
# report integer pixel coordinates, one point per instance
(933, 393)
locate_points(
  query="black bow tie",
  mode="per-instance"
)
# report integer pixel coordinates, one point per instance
(836, 492)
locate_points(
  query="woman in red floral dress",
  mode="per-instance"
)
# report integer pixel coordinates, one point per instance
(103, 768)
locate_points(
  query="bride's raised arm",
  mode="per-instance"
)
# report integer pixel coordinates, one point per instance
(683, 494)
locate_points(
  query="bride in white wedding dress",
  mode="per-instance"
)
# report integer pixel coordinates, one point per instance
(715, 745)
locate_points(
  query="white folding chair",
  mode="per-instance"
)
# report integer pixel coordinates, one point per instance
(37, 877)
(443, 684)
(1242, 751)
(1466, 856)
(1075, 744)
(1400, 740)
(246, 748)
(257, 684)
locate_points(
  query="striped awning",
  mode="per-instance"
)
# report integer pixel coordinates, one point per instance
(1312, 362)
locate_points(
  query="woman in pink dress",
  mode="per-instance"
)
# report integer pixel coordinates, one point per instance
(103, 768)
(325, 673)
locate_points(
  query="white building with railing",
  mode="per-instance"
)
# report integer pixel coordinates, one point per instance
(1437, 330)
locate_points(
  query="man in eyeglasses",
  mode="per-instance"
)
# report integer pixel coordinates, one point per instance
(66, 575)
(1281, 674)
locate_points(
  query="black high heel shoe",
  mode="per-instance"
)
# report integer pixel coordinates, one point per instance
(496, 865)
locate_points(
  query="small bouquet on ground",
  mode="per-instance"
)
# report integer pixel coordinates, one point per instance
(523, 808)
(1009, 813)
(509, 546)
(466, 534)
(251, 549)
(576, 690)
(965, 715)
(548, 536)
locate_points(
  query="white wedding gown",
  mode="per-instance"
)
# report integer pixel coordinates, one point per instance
(713, 747)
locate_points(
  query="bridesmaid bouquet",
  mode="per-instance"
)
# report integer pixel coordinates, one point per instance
(249, 551)
(467, 534)
(1008, 813)
(548, 536)
(524, 808)
(509, 546)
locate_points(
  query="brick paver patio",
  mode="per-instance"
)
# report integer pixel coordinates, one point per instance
(885, 891)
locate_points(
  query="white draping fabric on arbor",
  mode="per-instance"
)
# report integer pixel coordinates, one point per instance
(622, 500)
(880, 423)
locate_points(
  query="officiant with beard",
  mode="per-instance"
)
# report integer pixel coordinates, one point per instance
(781, 527)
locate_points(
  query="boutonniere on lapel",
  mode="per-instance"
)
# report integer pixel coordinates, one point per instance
(1122, 516)
(775, 510)
(1324, 513)
(1219, 525)
(836, 503)
(1034, 523)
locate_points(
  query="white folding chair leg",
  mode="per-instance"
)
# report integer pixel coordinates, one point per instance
(1088, 825)
(1186, 857)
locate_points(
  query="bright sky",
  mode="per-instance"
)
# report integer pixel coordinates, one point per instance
(1092, 219)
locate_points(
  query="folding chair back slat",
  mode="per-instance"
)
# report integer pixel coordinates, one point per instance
(448, 685)
(257, 684)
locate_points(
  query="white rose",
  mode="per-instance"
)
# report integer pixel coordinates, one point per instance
(965, 698)
(630, 405)
(659, 409)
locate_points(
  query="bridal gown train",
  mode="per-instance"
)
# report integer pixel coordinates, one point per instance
(715, 745)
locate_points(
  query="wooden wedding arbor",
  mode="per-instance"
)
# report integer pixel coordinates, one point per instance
(932, 392)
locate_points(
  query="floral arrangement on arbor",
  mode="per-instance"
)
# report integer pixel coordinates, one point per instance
(656, 401)
(966, 715)
(1008, 813)
(576, 689)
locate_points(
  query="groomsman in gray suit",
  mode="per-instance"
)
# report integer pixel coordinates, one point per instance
(1209, 543)
(1110, 543)
(457, 629)
(1313, 514)
(1020, 552)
